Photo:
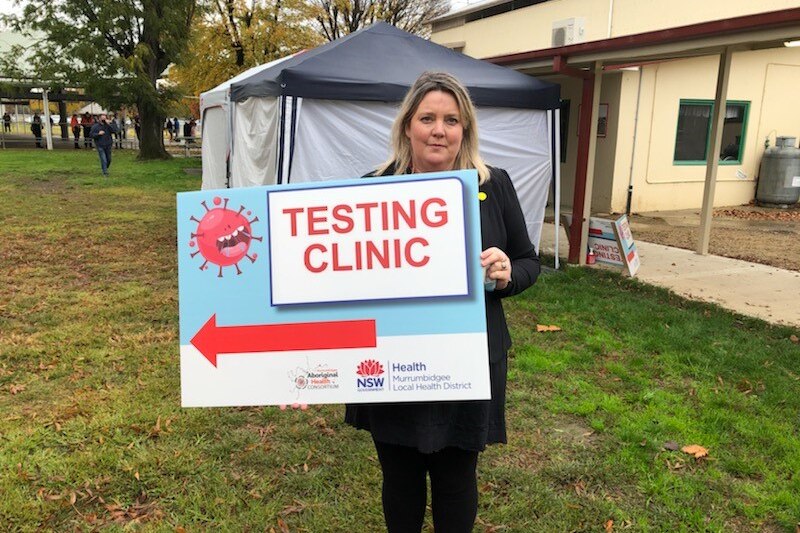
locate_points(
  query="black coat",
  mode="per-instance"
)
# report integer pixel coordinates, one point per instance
(471, 425)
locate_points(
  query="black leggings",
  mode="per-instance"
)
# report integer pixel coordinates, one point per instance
(454, 488)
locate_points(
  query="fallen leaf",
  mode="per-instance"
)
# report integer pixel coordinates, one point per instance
(136, 475)
(16, 389)
(794, 338)
(283, 526)
(541, 328)
(696, 450)
(609, 526)
(671, 446)
(298, 507)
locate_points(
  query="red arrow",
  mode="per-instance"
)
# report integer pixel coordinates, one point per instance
(212, 340)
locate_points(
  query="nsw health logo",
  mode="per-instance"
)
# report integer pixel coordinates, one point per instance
(370, 376)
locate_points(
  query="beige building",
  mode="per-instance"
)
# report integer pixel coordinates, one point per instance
(655, 107)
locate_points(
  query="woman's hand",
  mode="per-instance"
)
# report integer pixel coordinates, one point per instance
(498, 266)
(302, 406)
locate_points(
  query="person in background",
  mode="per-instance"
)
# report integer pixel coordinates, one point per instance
(75, 126)
(119, 122)
(6, 123)
(137, 127)
(187, 131)
(86, 123)
(36, 129)
(436, 130)
(168, 128)
(122, 124)
(102, 132)
(176, 127)
(192, 130)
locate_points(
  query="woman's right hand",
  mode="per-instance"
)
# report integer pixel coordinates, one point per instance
(302, 406)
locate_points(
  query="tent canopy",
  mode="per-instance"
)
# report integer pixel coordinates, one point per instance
(217, 96)
(379, 63)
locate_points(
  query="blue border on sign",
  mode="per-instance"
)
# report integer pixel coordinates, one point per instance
(243, 299)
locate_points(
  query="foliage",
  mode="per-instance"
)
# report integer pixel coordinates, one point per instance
(336, 18)
(234, 35)
(92, 436)
(115, 51)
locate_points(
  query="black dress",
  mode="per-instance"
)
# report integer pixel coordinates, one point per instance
(470, 425)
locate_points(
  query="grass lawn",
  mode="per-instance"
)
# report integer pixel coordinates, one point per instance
(92, 435)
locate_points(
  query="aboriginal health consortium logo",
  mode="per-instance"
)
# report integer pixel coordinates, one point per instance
(317, 377)
(370, 374)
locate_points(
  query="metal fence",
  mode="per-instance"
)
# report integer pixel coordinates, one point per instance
(18, 134)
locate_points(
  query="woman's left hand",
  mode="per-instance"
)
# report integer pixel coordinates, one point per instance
(498, 266)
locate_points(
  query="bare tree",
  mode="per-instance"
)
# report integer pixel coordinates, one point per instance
(335, 18)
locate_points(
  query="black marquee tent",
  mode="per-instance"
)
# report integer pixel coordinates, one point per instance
(381, 62)
(326, 114)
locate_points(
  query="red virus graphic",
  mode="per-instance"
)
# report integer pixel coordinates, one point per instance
(370, 367)
(223, 236)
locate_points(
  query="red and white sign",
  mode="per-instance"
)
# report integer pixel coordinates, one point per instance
(382, 241)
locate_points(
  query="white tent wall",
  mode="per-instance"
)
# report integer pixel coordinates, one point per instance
(255, 140)
(216, 135)
(518, 141)
(337, 139)
(215, 148)
(353, 136)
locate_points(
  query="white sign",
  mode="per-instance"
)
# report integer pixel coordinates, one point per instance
(611, 241)
(238, 348)
(350, 243)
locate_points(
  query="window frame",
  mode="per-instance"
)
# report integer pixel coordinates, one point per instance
(711, 103)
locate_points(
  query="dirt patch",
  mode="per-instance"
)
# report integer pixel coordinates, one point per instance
(770, 236)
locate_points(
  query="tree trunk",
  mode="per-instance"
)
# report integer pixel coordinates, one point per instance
(64, 120)
(151, 143)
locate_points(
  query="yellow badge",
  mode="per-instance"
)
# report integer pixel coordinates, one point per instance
(481, 196)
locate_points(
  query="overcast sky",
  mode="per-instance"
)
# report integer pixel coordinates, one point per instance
(7, 6)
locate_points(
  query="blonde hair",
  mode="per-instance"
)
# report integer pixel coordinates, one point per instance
(468, 156)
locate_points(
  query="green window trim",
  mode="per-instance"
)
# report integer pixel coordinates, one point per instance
(745, 104)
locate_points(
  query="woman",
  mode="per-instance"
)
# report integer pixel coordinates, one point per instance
(36, 129)
(436, 130)
(87, 121)
(75, 125)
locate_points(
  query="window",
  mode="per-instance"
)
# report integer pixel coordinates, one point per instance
(694, 130)
(499, 8)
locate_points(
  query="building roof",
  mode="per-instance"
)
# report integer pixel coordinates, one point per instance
(749, 32)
